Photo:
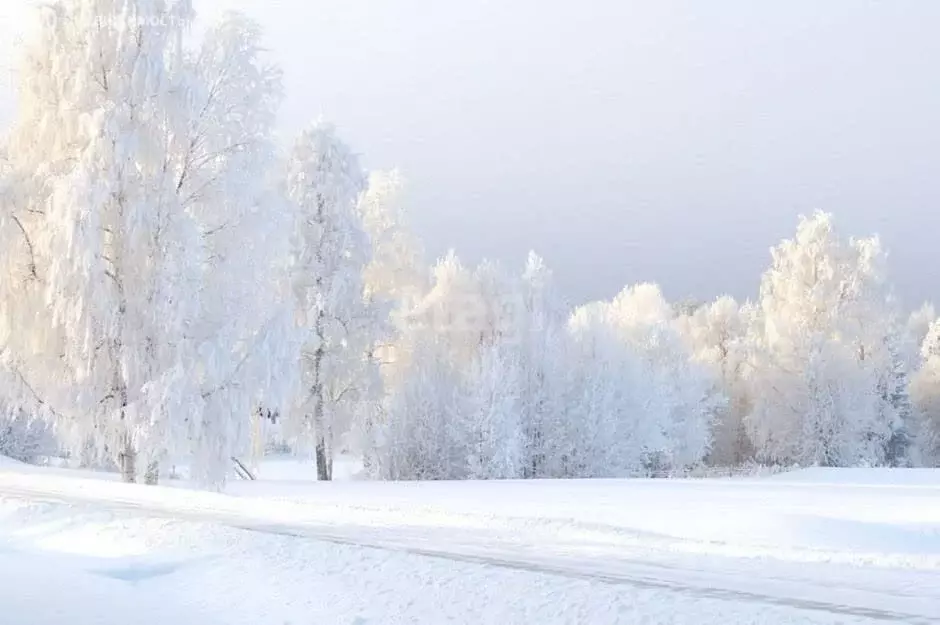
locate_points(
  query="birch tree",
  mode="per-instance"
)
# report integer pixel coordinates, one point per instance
(395, 272)
(614, 418)
(543, 350)
(823, 350)
(394, 281)
(494, 435)
(243, 335)
(452, 407)
(716, 334)
(128, 157)
(331, 251)
(112, 242)
(925, 393)
(684, 397)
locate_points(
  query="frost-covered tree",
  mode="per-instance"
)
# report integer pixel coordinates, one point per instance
(716, 334)
(114, 249)
(823, 370)
(222, 166)
(394, 281)
(615, 417)
(24, 437)
(417, 437)
(494, 436)
(917, 327)
(894, 360)
(395, 273)
(690, 393)
(542, 346)
(452, 407)
(925, 394)
(422, 433)
(454, 309)
(331, 251)
(132, 154)
(493, 383)
(666, 401)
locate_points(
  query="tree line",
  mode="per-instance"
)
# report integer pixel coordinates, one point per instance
(177, 288)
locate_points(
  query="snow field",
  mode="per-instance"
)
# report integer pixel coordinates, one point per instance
(813, 547)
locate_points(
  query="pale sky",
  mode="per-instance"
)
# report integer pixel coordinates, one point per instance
(627, 141)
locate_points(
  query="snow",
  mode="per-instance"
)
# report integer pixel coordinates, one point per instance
(864, 477)
(290, 469)
(815, 546)
(10, 462)
(82, 595)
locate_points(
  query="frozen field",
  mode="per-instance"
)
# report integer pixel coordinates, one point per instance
(816, 546)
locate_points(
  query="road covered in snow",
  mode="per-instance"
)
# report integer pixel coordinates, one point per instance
(815, 546)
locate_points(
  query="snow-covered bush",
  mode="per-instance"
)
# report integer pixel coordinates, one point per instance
(25, 439)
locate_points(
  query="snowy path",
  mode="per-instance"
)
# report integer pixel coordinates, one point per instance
(762, 551)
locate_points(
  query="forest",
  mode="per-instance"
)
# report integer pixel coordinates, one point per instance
(178, 288)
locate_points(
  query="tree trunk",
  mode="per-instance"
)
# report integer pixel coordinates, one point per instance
(128, 462)
(324, 455)
(152, 476)
(324, 446)
(323, 461)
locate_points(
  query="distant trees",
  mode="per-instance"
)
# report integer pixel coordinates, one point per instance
(491, 380)
(499, 385)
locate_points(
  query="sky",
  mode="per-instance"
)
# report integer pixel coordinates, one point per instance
(625, 141)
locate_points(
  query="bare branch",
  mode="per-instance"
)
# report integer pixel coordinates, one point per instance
(29, 245)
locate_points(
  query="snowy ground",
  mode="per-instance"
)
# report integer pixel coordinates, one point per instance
(817, 546)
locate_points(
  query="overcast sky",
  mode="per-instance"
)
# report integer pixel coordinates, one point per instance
(628, 141)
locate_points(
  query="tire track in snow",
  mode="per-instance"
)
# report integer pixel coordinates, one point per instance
(574, 572)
